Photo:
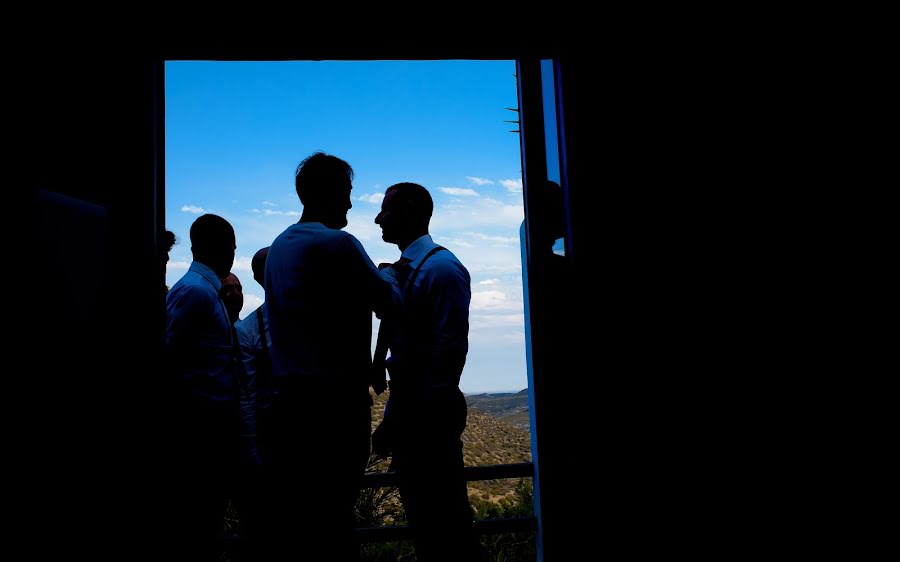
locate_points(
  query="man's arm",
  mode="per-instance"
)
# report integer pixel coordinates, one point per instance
(383, 295)
(449, 289)
(380, 289)
(249, 353)
(186, 305)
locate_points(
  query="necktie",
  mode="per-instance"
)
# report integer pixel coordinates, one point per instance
(403, 270)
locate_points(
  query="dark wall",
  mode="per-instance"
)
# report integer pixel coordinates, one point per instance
(93, 411)
(86, 422)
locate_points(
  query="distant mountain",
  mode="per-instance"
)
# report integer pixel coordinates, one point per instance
(510, 407)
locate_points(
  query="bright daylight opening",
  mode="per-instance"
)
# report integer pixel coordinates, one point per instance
(236, 131)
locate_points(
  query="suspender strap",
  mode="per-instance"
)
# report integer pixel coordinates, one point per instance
(262, 330)
(412, 278)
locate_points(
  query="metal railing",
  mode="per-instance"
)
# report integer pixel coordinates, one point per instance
(481, 526)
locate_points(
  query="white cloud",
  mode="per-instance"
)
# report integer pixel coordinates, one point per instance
(363, 226)
(488, 238)
(493, 321)
(460, 191)
(479, 181)
(251, 303)
(483, 257)
(255, 211)
(489, 260)
(455, 242)
(270, 212)
(178, 265)
(515, 186)
(373, 198)
(241, 264)
(488, 300)
(192, 209)
(489, 282)
(270, 204)
(480, 212)
(513, 337)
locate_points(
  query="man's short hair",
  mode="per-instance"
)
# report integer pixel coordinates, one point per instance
(317, 177)
(416, 195)
(168, 240)
(258, 264)
(208, 232)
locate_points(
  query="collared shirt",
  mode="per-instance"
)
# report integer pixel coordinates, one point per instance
(434, 330)
(321, 289)
(199, 345)
(258, 396)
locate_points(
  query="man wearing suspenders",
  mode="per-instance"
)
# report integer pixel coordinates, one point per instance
(426, 412)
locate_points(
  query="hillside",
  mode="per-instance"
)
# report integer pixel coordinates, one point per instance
(486, 440)
(510, 407)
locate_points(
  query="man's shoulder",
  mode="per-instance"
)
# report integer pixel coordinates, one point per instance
(191, 285)
(445, 262)
(349, 243)
(445, 256)
(248, 321)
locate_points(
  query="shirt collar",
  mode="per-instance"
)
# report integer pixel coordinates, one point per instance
(314, 225)
(207, 274)
(418, 248)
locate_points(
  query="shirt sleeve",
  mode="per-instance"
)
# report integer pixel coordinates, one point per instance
(449, 289)
(380, 290)
(249, 356)
(185, 307)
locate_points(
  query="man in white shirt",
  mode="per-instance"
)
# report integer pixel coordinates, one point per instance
(253, 336)
(426, 411)
(321, 290)
(201, 359)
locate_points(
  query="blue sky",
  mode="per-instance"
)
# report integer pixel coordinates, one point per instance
(235, 132)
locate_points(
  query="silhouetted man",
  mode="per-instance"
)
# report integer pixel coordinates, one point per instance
(253, 336)
(200, 354)
(232, 294)
(254, 339)
(167, 240)
(321, 289)
(426, 411)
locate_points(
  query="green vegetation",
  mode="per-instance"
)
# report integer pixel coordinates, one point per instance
(508, 407)
(505, 547)
(509, 547)
(487, 440)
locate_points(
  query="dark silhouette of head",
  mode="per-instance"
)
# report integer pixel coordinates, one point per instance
(550, 223)
(232, 294)
(167, 241)
(213, 243)
(405, 214)
(258, 264)
(323, 183)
